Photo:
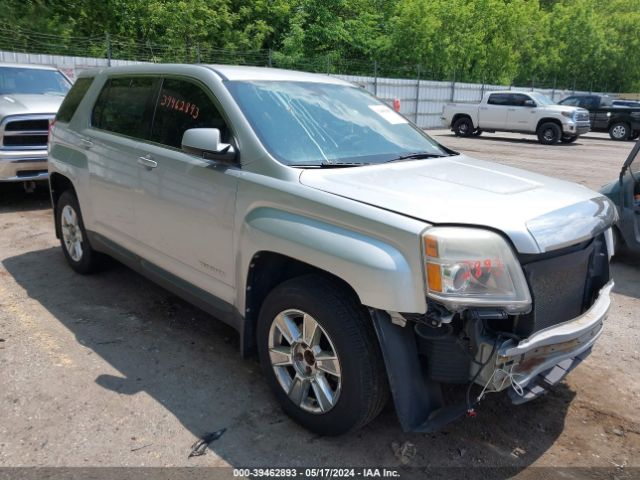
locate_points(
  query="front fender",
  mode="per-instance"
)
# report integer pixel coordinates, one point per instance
(377, 271)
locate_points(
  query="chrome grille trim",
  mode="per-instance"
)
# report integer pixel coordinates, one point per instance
(15, 135)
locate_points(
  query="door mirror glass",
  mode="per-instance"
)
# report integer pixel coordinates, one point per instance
(205, 143)
(529, 103)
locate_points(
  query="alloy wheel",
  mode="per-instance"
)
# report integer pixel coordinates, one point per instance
(305, 361)
(71, 233)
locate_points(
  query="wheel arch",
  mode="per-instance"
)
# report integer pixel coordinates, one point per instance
(267, 270)
(549, 120)
(58, 184)
(277, 245)
(458, 116)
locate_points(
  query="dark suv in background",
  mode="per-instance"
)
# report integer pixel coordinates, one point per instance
(622, 122)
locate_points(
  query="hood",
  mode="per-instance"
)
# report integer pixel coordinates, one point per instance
(537, 213)
(20, 104)
(564, 108)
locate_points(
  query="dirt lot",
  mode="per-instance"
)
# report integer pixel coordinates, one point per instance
(110, 370)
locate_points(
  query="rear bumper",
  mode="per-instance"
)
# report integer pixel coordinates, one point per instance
(547, 356)
(17, 166)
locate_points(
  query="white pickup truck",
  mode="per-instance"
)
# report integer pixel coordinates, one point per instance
(522, 112)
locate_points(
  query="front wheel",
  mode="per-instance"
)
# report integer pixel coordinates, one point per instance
(321, 356)
(634, 135)
(477, 132)
(549, 133)
(569, 139)
(619, 131)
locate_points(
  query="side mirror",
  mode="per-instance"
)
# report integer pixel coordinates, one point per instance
(205, 143)
(529, 103)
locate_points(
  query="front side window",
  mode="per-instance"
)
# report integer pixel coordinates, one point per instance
(308, 123)
(32, 81)
(125, 106)
(518, 99)
(183, 105)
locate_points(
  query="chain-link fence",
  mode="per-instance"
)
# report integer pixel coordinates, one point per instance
(421, 92)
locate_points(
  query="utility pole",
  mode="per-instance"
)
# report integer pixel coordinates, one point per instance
(417, 95)
(108, 39)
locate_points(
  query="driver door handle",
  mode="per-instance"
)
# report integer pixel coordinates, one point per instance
(147, 162)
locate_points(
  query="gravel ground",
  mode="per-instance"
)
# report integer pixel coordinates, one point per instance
(111, 370)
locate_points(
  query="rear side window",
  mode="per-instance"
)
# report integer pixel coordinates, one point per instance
(499, 99)
(183, 105)
(125, 106)
(73, 99)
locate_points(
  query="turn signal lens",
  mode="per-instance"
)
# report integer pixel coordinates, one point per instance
(434, 277)
(467, 267)
(431, 246)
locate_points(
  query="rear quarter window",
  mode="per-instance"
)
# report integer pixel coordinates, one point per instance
(73, 99)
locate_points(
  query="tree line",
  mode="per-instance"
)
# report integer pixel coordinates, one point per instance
(585, 44)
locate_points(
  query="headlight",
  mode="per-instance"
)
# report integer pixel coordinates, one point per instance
(470, 267)
(567, 114)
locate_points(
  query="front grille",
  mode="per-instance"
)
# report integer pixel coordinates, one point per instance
(25, 141)
(27, 125)
(26, 132)
(564, 285)
(582, 117)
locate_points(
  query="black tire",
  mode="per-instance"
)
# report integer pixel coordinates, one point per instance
(463, 127)
(634, 135)
(619, 245)
(619, 131)
(549, 133)
(569, 139)
(89, 260)
(363, 385)
(477, 132)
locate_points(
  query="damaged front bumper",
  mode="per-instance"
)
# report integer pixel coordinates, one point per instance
(545, 357)
(531, 365)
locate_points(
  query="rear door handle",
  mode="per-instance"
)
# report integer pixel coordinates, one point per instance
(147, 162)
(86, 143)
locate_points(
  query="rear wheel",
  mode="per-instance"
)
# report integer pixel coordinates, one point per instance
(463, 127)
(619, 131)
(477, 132)
(73, 236)
(634, 135)
(321, 356)
(549, 133)
(569, 139)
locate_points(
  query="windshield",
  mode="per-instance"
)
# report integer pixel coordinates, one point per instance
(541, 99)
(306, 124)
(17, 80)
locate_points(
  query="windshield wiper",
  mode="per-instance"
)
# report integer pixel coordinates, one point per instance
(415, 156)
(329, 164)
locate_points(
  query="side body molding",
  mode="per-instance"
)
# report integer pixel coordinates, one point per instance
(377, 271)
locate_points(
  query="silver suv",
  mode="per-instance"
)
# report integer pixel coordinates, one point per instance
(29, 99)
(353, 253)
